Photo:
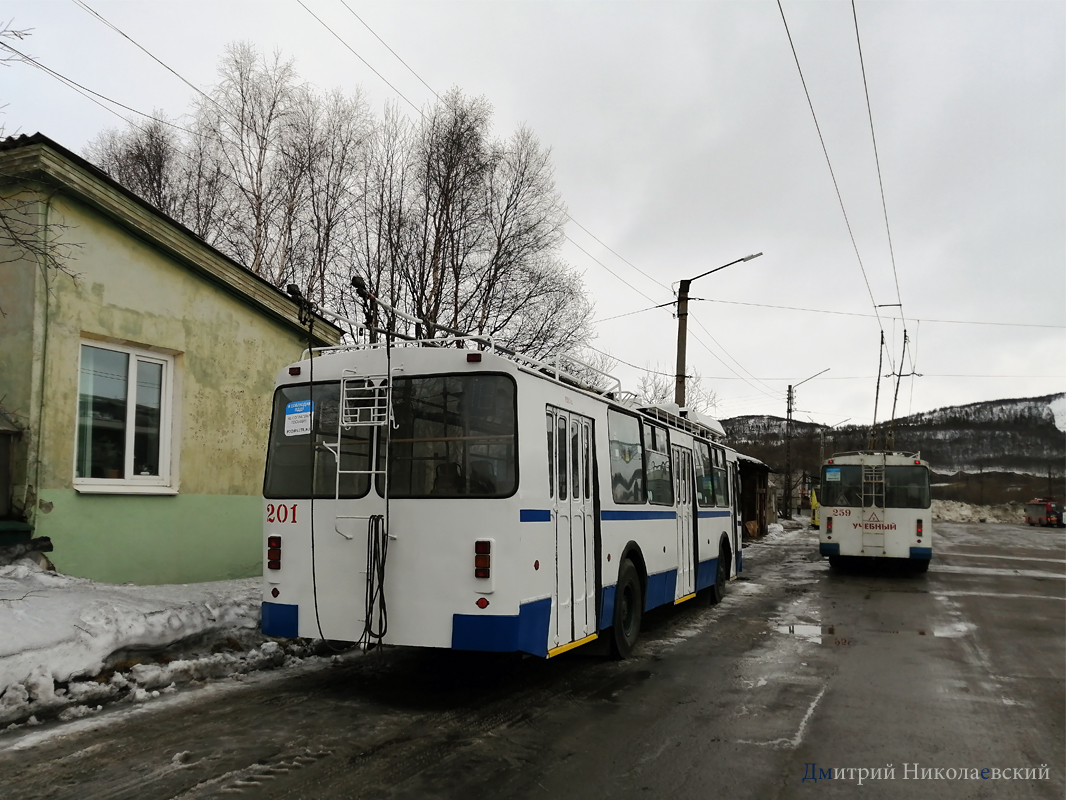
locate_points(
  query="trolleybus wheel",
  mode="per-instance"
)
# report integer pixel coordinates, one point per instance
(921, 566)
(721, 576)
(628, 609)
(834, 562)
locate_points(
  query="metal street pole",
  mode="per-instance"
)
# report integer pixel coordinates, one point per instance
(821, 449)
(682, 327)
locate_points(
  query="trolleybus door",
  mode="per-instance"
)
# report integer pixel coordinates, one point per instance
(686, 543)
(873, 509)
(573, 608)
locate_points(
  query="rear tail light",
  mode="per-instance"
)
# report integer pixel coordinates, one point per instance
(919, 527)
(828, 524)
(482, 558)
(273, 552)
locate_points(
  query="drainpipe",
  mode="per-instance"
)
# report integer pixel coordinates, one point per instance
(31, 510)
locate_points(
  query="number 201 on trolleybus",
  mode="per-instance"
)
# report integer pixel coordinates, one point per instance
(480, 500)
(876, 505)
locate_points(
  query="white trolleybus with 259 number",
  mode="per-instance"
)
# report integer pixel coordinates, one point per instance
(876, 504)
(445, 493)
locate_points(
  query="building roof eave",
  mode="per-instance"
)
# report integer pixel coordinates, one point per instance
(38, 158)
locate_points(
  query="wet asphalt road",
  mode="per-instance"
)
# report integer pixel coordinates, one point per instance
(962, 669)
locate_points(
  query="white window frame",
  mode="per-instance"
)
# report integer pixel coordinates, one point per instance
(132, 483)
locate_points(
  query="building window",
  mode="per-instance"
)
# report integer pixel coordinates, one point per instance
(123, 434)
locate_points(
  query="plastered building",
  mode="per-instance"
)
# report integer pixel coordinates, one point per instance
(135, 383)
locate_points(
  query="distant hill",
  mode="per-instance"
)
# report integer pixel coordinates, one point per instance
(1019, 440)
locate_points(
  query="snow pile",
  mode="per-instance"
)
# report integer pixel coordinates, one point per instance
(1058, 409)
(69, 643)
(953, 511)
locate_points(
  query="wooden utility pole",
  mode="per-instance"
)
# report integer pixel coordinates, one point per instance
(788, 457)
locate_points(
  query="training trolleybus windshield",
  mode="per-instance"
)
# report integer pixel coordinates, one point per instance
(876, 505)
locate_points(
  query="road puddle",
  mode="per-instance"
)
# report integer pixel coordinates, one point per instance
(812, 633)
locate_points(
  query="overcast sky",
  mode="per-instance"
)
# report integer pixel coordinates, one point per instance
(683, 140)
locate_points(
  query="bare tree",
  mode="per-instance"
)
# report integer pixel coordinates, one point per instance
(451, 225)
(8, 54)
(381, 240)
(592, 367)
(656, 388)
(146, 159)
(26, 233)
(327, 144)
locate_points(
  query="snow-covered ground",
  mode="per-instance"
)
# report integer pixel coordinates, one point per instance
(69, 645)
(952, 511)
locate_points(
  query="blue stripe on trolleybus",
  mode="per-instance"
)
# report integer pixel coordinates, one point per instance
(526, 632)
(608, 515)
(607, 607)
(925, 553)
(280, 619)
(661, 588)
(535, 515)
(706, 573)
(706, 514)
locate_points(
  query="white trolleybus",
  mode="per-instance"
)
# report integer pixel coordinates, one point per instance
(435, 495)
(876, 505)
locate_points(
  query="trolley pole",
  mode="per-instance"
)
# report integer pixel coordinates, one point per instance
(682, 326)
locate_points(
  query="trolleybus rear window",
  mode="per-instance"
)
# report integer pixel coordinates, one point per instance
(453, 436)
(905, 486)
(841, 485)
(292, 451)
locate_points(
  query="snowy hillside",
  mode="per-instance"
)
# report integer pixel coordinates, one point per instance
(1023, 436)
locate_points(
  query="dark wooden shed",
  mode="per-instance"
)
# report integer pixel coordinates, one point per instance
(754, 496)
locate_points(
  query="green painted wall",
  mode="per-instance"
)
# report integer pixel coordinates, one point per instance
(20, 284)
(226, 353)
(187, 538)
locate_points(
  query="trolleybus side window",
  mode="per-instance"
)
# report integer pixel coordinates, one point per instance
(657, 466)
(453, 436)
(560, 437)
(297, 415)
(704, 475)
(587, 460)
(627, 457)
(551, 454)
(721, 478)
(841, 485)
(575, 457)
(907, 486)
